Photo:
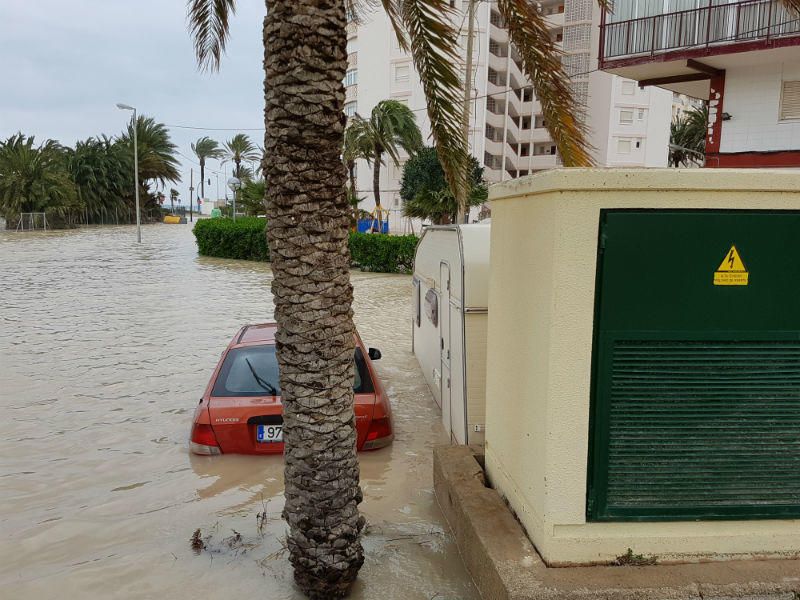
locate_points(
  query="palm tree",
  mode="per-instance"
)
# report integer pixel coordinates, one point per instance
(173, 196)
(391, 126)
(102, 172)
(157, 154)
(238, 149)
(205, 148)
(687, 137)
(305, 59)
(356, 146)
(33, 178)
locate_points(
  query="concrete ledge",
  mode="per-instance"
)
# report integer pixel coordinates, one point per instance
(505, 566)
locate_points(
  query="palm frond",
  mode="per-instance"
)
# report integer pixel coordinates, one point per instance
(209, 27)
(793, 6)
(392, 10)
(357, 10)
(541, 59)
(433, 41)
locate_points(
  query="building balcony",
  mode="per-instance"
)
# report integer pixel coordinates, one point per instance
(681, 50)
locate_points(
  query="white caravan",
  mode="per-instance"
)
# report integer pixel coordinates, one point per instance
(450, 314)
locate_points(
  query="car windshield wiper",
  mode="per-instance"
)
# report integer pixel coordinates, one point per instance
(260, 380)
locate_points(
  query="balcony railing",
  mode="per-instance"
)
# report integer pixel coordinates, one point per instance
(715, 25)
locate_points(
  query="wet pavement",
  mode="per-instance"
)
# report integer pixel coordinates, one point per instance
(105, 348)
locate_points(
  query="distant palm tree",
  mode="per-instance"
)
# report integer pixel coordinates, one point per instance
(238, 149)
(205, 148)
(356, 146)
(173, 196)
(305, 61)
(687, 138)
(391, 126)
(157, 154)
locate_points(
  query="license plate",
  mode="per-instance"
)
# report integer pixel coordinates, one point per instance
(269, 433)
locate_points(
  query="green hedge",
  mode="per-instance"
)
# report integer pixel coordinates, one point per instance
(225, 238)
(245, 239)
(383, 253)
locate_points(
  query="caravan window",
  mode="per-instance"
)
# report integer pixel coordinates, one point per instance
(432, 307)
(417, 304)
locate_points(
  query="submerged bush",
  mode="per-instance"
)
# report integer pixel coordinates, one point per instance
(245, 239)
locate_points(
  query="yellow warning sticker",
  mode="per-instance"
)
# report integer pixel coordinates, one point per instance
(732, 270)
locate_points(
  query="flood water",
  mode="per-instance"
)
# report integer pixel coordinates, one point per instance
(105, 349)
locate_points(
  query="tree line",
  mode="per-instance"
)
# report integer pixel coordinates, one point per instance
(90, 182)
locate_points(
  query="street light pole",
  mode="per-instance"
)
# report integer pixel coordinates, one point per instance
(135, 168)
(191, 193)
(234, 183)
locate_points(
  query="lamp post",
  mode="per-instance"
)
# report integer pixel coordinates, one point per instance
(135, 168)
(234, 183)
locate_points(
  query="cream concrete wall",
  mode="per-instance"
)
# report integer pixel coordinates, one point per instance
(541, 319)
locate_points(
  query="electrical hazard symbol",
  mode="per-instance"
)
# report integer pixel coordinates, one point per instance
(732, 270)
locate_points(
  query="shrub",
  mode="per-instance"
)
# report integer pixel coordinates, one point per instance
(383, 253)
(226, 238)
(245, 239)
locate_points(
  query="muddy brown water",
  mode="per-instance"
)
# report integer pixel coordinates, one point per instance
(105, 348)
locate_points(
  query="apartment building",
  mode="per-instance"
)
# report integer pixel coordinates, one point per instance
(508, 133)
(742, 56)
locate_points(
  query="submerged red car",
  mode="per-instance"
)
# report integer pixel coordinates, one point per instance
(241, 412)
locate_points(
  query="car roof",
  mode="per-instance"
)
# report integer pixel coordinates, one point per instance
(264, 332)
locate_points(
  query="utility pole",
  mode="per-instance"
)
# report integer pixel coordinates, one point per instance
(463, 193)
(191, 193)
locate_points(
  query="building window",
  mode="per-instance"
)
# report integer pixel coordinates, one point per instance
(526, 122)
(401, 72)
(527, 94)
(524, 149)
(626, 116)
(351, 77)
(623, 146)
(350, 108)
(790, 100)
(638, 143)
(352, 45)
(628, 88)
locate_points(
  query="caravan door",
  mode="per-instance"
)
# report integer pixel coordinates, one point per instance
(444, 347)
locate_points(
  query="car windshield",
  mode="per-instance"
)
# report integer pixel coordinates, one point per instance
(253, 371)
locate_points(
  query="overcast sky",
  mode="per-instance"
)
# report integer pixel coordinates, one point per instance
(65, 64)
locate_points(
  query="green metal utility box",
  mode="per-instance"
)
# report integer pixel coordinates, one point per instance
(643, 362)
(696, 399)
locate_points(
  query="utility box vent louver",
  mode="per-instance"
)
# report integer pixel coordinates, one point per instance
(706, 425)
(696, 377)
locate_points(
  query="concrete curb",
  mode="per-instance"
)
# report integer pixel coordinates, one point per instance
(505, 566)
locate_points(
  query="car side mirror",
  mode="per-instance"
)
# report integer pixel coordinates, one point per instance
(374, 354)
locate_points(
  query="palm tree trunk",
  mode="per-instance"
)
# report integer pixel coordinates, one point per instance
(376, 187)
(351, 172)
(202, 180)
(308, 215)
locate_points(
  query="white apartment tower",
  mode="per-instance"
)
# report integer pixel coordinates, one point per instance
(508, 135)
